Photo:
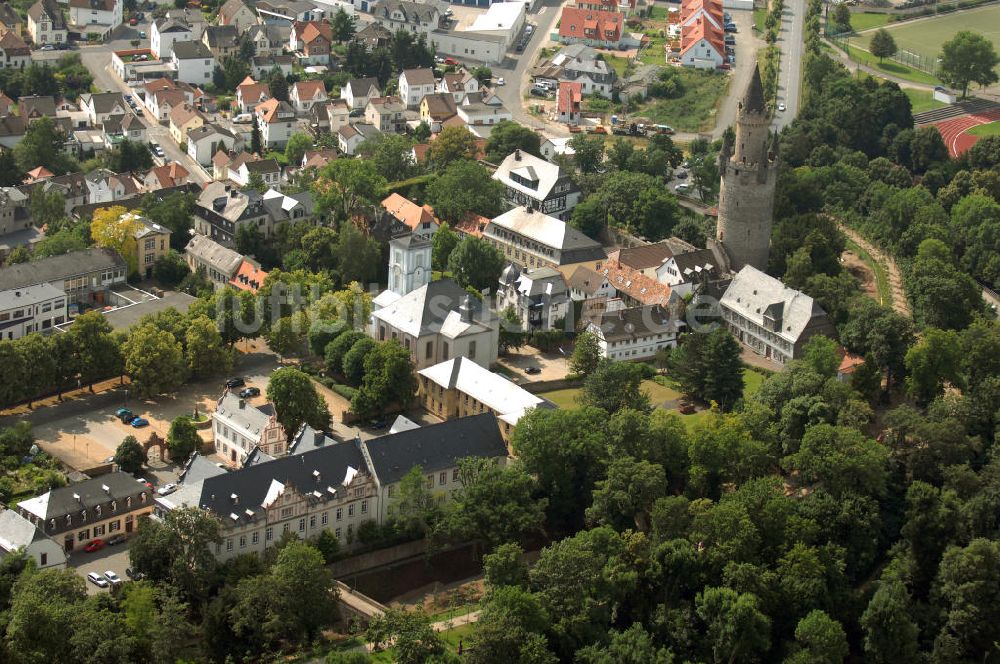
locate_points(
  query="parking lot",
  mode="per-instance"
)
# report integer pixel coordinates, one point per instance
(113, 558)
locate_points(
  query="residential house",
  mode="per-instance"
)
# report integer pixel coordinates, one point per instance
(647, 258)
(104, 186)
(636, 333)
(171, 174)
(28, 309)
(459, 388)
(414, 17)
(238, 428)
(538, 297)
(531, 238)
(770, 318)
(358, 91)
(269, 171)
(127, 127)
(702, 45)
(419, 219)
(84, 275)
(386, 114)
(639, 81)
(328, 117)
(18, 535)
(16, 229)
(100, 16)
(12, 130)
(219, 264)
(32, 107)
(14, 53)
(249, 277)
(263, 65)
(206, 140)
(598, 28)
(586, 284)
(437, 108)
(626, 7)
(249, 93)
(537, 183)
(634, 288)
(99, 106)
(317, 158)
(414, 84)
(222, 40)
(237, 13)
(276, 120)
(709, 10)
(183, 119)
(284, 208)
(97, 508)
(373, 36)
(46, 24)
(193, 61)
(305, 94)
(287, 12)
(269, 39)
(457, 84)
(351, 136)
(313, 40)
(479, 109)
(222, 209)
(684, 272)
(436, 322)
(10, 20)
(578, 63)
(6, 105)
(569, 102)
(165, 32)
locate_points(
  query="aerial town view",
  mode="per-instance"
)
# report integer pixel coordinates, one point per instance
(499, 332)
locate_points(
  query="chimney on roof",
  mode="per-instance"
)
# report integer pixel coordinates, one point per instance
(466, 308)
(106, 489)
(235, 498)
(517, 154)
(77, 498)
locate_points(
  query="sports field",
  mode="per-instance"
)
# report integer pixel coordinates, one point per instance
(924, 36)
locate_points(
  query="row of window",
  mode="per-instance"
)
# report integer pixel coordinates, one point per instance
(287, 527)
(99, 531)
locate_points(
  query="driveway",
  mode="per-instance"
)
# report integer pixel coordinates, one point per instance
(552, 366)
(113, 558)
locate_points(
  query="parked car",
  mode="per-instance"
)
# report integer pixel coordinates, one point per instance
(686, 408)
(134, 574)
(730, 40)
(122, 412)
(143, 480)
(539, 92)
(533, 371)
(235, 382)
(139, 422)
(681, 175)
(248, 392)
(97, 580)
(682, 188)
(112, 577)
(731, 27)
(500, 81)
(133, 21)
(115, 540)
(142, 34)
(94, 545)
(167, 489)
(781, 107)
(48, 47)
(378, 424)
(451, 61)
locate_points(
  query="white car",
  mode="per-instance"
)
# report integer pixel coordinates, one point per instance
(97, 580)
(112, 578)
(781, 106)
(167, 489)
(500, 81)
(683, 187)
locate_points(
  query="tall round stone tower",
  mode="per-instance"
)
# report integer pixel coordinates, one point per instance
(746, 196)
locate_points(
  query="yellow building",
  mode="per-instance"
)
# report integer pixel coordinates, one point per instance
(183, 119)
(460, 388)
(149, 241)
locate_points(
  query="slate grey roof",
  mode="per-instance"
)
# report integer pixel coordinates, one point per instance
(424, 310)
(53, 11)
(171, 25)
(57, 268)
(252, 484)
(36, 105)
(753, 99)
(308, 439)
(29, 296)
(222, 36)
(8, 15)
(57, 503)
(191, 50)
(626, 324)
(756, 295)
(435, 447)
(199, 468)
(209, 129)
(413, 12)
(224, 260)
(530, 167)
(263, 166)
(104, 102)
(693, 263)
(549, 231)
(360, 87)
(584, 279)
(252, 419)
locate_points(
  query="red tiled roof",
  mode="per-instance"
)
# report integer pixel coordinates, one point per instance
(309, 32)
(575, 23)
(702, 29)
(310, 90)
(635, 284)
(472, 224)
(848, 362)
(712, 7)
(570, 96)
(248, 277)
(253, 91)
(407, 211)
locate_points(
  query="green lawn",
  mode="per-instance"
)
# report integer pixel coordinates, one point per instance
(653, 53)
(759, 16)
(991, 129)
(658, 13)
(889, 66)
(617, 63)
(925, 36)
(695, 110)
(868, 21)
(922, 100)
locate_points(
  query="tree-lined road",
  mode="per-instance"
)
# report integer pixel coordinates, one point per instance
(790, 41)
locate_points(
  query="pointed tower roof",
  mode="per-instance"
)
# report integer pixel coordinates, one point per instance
(753, 100)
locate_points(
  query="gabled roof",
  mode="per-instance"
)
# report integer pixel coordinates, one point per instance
(407, 211)
(271, 110)
(57, 268)
(230, 9)
(224, 260)
(702, 29)
(360, 87)
(249, 277)
(314, 30)
(753, 294)
(636, 285)
(13, 45)
(191, 50)
(423, 76)
(427, 309)
(31, 106)
(647, 256)
(252, 91)
(575, 24)
(183, 113)
(263, 166)
(222, 36)
(413, 12)
(693, 263)
(103, 102)
(547, 231)
(75, 497)
(99, 5)
(51, 10)
(163, 25)
(440, 105)
(318, 158)
(506, 399)
(8, 15)
(169, 175)
(16, 532)
(526, 166)
(210, 131)
(306, 90)
(570, 96)
(435, 447)
(627, 324)
(586, 280)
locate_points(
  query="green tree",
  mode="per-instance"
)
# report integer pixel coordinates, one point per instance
(129, 455)
(821, 355)
(42, 145)
(736, 629)
(842, 459)
(504, 567)
(409, 633)
(612, 386)
(841, 17)
(353, 361)
(589, 216)
(508, 136)
(37, 354)
(338, 348)
(183, 439)
(205, 350)
(170, 269)
(392, 155)
(465, 187)
(348, 186)
(297, 145)
(966, 58)
(510, 628)
(154, 360)
(475, 262)
(822, 640)
(444, 242)
(256, 141)
(932, 362)
(342, 25)
(43, 610)
(358, 256)
(969, 587)
(452, 144)
(296, 401)
(178, 549)
(625, 498)
(586, 355)
(389, 378)
(638, 203)
(96, 351)
(633, 646)
(306, 597)
(890, 633)
(417, 510)
(588, 152)
(47, 208)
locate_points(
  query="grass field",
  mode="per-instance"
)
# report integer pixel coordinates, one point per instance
(695, 110)
(922, 100)
(991, 129)
(890, 67)
(926, 35)
(868, 21)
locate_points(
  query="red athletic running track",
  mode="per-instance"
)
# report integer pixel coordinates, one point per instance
(953, 130)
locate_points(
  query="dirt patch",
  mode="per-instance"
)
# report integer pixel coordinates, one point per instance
(861, 271)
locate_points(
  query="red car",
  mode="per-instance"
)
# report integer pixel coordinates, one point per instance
(450, 61)
(94, 545)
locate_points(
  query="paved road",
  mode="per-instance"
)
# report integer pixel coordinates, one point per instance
(515, 69)
(747, 45)
(790, 41)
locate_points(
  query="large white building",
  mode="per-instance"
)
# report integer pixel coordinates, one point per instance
(165, 32)
(503, 19)
(537, 183)
(414, 84)
(37, 308)
(538, 297)
(193, 61)
(435, 322)
(636, 333)
(238, 428)
(531, 238)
